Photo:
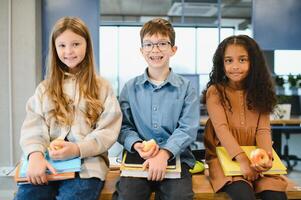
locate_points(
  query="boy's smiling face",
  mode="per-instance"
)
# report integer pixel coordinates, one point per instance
(156, 58)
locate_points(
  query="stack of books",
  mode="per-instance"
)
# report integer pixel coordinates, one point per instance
(65, 169)
(131, 166)
(232, 168)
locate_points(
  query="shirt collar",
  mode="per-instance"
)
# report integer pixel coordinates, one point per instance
(172, 78)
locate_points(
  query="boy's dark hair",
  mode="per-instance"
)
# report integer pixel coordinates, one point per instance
(258, 83)
(158, 26)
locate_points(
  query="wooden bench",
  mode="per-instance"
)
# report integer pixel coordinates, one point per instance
(201, 187)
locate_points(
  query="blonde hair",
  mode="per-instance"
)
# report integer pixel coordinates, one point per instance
(89, 86)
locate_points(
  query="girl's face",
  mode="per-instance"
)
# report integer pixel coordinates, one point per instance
(236, 64)
(71, 49)
(157, 51)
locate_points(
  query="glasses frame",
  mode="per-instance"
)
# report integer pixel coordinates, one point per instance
(155, 44)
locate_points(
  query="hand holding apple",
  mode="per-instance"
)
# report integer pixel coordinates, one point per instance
(56, 144)
(261, 160)
(259, 157)
(147, 145)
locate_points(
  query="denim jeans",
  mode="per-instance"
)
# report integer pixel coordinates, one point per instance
(129, 188)
(72, 189)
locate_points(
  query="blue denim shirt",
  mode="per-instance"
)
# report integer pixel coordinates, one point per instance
(168, 113)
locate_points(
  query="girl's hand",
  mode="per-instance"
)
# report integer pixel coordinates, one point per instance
(62, 150)
(138, 146)
(157, 166)
(245, 166)
(264, 167)
(37, 166)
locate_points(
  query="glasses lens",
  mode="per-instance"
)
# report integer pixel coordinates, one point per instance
(163, 46)
(147, 46)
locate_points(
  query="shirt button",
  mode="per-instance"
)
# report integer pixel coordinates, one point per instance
(155, 108)
(155, 125)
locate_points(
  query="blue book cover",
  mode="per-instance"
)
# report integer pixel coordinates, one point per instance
(61, 166)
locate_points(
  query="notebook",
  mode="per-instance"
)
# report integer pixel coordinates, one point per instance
(135, 169)
(232, 168)
(134, 160)
(65, 169)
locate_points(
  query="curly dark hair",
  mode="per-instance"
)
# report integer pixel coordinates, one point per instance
(258, 83)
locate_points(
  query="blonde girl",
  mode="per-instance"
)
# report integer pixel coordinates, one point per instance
(73, 109)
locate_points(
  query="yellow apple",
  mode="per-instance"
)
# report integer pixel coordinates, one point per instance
(56, 147)
(147, 145)
(259, 157)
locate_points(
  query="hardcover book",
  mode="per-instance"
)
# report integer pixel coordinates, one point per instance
(131, 166)
(65, 169)
(232, 168)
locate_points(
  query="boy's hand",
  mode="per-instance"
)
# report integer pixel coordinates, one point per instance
(157, 165)
(153, 151)
(64, 150)
(37, 166)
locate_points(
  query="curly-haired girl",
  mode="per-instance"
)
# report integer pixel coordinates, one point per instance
(239, 97)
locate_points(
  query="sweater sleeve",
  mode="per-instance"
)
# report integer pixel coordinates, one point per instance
(34, 131)
(219, 120)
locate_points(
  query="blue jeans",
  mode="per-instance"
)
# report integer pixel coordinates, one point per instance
(72, 189)
(129, 188)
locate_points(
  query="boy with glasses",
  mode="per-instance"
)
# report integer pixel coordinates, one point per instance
(163, 106)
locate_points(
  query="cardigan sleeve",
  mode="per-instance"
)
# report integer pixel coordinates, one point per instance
(218, 117)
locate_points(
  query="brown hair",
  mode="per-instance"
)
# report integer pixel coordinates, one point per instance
(158, 26)
(89, 86)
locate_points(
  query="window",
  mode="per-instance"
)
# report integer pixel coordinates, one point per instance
(287, 61)
(121, 59)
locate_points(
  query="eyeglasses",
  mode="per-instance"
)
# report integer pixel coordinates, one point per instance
(162, 46)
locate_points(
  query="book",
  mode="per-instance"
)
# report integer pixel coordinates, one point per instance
(135, 169)
(232, 168)
(65, 169)
(134, 160)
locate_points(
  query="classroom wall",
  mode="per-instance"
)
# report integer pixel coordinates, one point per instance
(20, 64)
(276, 24)
(20, 70)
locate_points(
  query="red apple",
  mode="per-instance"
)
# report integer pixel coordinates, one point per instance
(147, 145)
(259, 157)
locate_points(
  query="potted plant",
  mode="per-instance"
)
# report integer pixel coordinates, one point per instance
(279, 81)
(298, 77)
(292, 80)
